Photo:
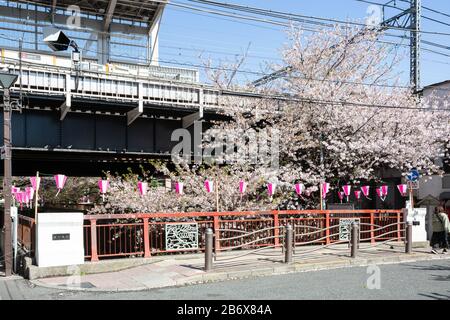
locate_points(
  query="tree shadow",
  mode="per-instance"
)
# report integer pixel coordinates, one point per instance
(436, 296)
(436, 277)
(429, 268)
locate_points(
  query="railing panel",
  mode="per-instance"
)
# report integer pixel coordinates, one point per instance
(120, 239)
(231, 228)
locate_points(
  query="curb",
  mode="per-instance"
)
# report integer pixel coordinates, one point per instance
(295, 267)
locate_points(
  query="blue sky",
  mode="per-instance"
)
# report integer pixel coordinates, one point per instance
(185, 35)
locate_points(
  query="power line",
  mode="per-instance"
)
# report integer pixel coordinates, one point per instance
(429, 9)
(394, 7)
(435, 11)
(437, 21)
(329, 25)
(324, 102)
(287, 16)
(248, 71)
(436, 52)
(255, 73)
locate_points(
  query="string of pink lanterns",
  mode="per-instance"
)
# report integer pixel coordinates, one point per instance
(25, 197)
(381, 191)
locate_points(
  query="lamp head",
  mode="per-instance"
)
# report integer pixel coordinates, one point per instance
(56, 39)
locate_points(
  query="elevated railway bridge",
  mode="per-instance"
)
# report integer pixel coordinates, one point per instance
(105, 112)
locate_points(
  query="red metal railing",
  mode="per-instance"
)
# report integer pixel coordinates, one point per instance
(143, 234)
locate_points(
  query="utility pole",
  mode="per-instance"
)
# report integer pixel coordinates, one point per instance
(7, 250)
(415, 45)
(7, 80)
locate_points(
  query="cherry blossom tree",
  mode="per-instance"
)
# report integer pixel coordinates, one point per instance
(339, 114)
(347, 116)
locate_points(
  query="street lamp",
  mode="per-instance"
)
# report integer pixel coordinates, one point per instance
(57, 40)
(7, 80)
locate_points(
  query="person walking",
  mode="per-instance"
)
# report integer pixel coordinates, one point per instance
(441, 229)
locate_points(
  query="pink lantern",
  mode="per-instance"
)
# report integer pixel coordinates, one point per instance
(18, 196)
(381, 194)
(209, 185)
(179, 187)
(142, 186)
(347, 189)
(60, 180)
(384, 190)
(358, 194)
(402, 188)
(35, 182)
(29, 192)
(25, 197)
(271, 189)
(299, 188)
(21, 197)
(242, 186)
(103, 186)
(365, 190)
(325, 189)
(341, 195)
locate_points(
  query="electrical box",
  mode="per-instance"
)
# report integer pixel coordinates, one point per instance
(417, 217)
(59, 239)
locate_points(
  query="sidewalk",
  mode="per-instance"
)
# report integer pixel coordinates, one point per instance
(177, 272)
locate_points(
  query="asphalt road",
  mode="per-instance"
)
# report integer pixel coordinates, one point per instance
(417, 280)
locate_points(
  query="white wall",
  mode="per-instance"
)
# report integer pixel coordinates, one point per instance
(440, 92)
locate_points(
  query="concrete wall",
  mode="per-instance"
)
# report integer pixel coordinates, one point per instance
(431, 186)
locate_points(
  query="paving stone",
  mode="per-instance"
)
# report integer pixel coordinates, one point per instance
(240, 274)
(159, 282)
(262, 272)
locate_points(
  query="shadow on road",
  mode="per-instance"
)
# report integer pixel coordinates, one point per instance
(436, 296)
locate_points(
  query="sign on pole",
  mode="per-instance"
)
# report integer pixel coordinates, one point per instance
(413, 175)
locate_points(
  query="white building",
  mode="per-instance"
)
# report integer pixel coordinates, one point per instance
(435, 189)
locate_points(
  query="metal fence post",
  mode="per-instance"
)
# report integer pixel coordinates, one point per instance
(146, 238)
(94, 254)
(217, 232)
(276, 225)
(208, 249)
(408, 244)
(327, 226)
(288, 244)
(354, 239)
(372, 223)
